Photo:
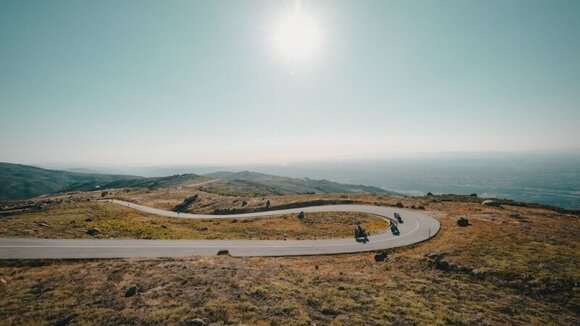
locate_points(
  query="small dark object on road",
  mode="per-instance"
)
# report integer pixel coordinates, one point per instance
(400, 205)
(223, 252)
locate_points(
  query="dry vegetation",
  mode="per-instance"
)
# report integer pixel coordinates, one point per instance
(74, 219)
(513, 265)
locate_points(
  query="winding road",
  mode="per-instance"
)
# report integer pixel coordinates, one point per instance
(417, 227)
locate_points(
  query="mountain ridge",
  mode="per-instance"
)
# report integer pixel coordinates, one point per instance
(19, 181)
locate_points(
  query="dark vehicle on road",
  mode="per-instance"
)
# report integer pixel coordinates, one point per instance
(360, 235)
(398, 217)
(395, 229)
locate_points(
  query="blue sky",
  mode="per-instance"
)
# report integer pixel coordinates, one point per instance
(199, 82)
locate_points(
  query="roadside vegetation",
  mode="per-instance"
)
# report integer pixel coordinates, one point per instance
(511, 265)
(111, 221)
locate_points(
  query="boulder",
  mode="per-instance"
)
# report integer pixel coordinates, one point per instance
(463, 222)
(131, 291)
(380, 257)
(181, 208)
(93, 231)
(63, 321)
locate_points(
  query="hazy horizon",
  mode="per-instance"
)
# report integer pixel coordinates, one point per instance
(551, 178)
(153, 83)
(462, 155)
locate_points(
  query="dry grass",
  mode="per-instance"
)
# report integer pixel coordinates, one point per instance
(339, 290)
(528, 263)
(73, 220)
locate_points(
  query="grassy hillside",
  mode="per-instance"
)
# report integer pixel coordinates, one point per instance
(513, 265)
(285, 186)
(22, 181)
(139, 182)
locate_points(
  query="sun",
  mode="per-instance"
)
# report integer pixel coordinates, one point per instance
(297, 35)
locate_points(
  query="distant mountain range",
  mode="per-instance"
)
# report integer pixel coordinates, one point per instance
(22, 181)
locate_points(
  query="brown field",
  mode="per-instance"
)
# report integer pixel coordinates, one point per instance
(69, 221)
(513, 265)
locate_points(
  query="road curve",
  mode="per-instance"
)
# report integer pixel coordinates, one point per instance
(417, 227)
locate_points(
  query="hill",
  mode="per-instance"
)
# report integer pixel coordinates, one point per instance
(284, 185)
(19, 181)
(182, 180)
(511, 265)
(228, 183)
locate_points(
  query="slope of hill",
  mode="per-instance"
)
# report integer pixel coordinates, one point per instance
(139, 182)
(284, 185)
(23, 181)
(244, 182)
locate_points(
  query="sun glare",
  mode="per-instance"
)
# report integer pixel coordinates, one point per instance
(297, 35)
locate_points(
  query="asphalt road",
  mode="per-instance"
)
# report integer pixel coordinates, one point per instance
(417, 227)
